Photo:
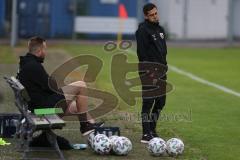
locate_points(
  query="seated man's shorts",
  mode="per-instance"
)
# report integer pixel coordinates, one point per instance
(56, 100)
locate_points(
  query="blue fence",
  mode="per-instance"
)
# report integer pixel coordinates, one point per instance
(2, 16)
(48, 18)
(55, 18)
(98, 8)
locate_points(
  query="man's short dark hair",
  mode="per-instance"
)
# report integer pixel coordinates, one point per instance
(35, 43)
(148, 7)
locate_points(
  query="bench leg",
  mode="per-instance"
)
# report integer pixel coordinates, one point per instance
(52, 138)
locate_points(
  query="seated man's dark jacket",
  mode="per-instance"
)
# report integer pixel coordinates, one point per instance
(35, 79)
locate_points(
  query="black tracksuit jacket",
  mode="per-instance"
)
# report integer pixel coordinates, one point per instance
(35, 79)
(151, 47)
(151, 44)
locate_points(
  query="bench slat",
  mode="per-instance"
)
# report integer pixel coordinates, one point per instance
(54, 120)
(39, 121)
(46, 111)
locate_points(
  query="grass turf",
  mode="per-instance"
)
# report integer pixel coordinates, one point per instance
(205, 118)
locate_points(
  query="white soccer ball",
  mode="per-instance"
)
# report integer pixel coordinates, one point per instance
(113, 138)
(101, 144)
(122, 146)
(175, 146)
(157, 146)
(90, 139)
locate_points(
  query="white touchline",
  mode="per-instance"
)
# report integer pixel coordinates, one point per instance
(203, 81)
(198, 79)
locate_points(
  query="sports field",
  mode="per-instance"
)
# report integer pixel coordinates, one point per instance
(203, 109)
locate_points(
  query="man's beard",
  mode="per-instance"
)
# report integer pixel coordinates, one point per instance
(156, 21)
(41, 59)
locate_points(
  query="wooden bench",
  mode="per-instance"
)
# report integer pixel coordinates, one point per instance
(45, 120)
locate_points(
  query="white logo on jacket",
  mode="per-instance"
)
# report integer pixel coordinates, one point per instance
(161, 35)
(154, 37)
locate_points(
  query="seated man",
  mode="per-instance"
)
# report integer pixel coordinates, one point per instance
(35, 79)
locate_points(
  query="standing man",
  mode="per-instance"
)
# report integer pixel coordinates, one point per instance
(151, 47)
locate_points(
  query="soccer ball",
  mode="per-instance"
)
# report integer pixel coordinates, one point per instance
(157, 146)
(101, 144)
(175, 147)
(122, 146)
(113, 138)
(90, 139)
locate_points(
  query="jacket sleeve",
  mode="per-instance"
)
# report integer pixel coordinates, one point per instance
(142, 43)
(165, 36)
(39, 76)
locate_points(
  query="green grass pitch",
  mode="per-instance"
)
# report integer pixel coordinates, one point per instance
(205, 118)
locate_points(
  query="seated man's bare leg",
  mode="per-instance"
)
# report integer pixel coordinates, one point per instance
(72, 109)
(77, 100)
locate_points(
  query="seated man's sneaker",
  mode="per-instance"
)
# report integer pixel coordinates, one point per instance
(98, 124)
(87, 127)
(146, 138)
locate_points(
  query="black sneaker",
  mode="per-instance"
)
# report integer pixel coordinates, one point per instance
(98, 124)
(146, 138)
(88, 128)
